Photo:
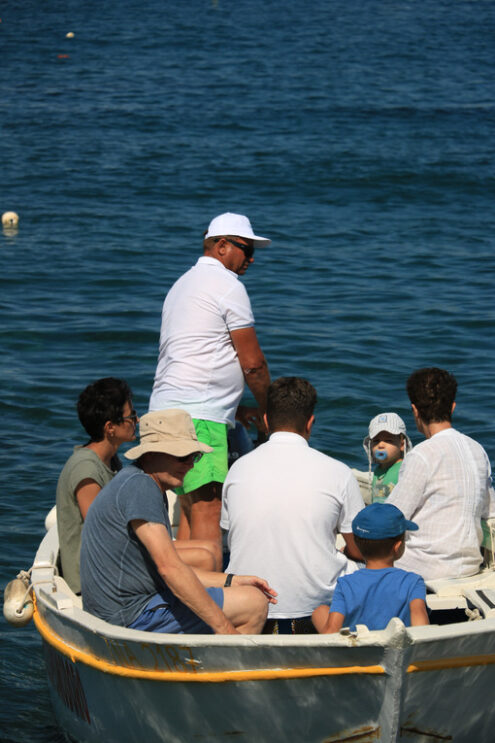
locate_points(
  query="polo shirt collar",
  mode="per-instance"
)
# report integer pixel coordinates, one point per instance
(288, 437)
(209, 261)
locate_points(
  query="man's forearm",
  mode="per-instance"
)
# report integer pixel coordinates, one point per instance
(258, 381)
(351, 550)
(253, 363)
(179, 577)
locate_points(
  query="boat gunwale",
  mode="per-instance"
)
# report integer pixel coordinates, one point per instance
(393, 636)
(259, 674)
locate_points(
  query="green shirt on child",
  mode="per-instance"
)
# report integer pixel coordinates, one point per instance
(383, 482)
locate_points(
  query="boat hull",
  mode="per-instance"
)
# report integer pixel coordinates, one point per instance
(119, 685)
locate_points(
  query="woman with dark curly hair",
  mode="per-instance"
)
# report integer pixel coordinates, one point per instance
(444, 485)
(105, 411)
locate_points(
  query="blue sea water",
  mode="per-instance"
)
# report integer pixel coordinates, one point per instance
(357, 134)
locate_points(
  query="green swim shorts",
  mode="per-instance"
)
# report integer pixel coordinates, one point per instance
(212, 467)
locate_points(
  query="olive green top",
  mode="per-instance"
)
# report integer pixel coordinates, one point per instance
(82, 465)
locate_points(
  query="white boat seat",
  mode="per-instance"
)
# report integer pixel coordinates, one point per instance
(364, 482)
(173, 511)
(62, 587)
(455, 593)
(457, 586)
(482, 599)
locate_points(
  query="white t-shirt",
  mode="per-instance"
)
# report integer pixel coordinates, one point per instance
(198, 369)
(445, 487)
(283, 504)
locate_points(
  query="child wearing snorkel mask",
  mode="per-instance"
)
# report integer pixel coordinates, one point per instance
(385, 445)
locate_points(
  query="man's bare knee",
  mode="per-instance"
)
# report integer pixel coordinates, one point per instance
(247, 608)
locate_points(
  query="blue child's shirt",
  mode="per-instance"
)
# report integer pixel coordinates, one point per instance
(373, 597)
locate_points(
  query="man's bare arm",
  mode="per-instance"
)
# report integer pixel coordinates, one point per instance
(179, 577)
(351, 550)
(253, 363)
(208, 579)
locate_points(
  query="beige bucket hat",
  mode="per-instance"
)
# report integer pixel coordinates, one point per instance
(167, 432)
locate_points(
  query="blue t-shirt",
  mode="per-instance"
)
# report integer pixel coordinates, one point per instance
(118, 577)
(373, 597)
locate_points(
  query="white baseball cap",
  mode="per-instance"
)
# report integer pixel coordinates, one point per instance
(390, 422)
(235, 224)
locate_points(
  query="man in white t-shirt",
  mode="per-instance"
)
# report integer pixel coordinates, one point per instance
(284, 503)
(208, 351)
(444, 485)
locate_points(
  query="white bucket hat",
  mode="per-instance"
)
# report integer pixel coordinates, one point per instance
(237, 225)
(390, 422)
(167, 432)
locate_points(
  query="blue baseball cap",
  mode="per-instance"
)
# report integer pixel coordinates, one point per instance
(380, 521)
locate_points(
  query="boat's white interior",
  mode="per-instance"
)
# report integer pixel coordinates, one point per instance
(475, 594)
(173, 510)
(55, 593)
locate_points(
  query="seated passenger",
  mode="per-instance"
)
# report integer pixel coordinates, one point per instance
(444, 485)
(379, 592)
(131, 573)
(284, 503)
(105, 412)
(385, 445)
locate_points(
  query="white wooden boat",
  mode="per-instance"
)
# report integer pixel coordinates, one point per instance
(118, 685)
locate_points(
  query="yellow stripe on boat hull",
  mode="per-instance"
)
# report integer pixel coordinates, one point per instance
(262, 674)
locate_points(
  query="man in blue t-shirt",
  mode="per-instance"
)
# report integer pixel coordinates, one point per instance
(131, 573)
(374, 595)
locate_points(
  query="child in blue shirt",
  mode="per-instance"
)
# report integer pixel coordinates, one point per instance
(379, 592)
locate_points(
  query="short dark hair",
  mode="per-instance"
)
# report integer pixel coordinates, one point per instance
(376, 549)
(432, 391)
(290, 403)
(102, 401)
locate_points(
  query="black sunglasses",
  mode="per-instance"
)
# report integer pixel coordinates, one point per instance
(195, 456)
(132, 417)
(248, 250)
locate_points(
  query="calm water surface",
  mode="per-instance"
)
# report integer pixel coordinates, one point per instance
(358, 134)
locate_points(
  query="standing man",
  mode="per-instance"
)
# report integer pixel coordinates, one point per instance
(284, 503)
(444, 485)
(131, 573)
(208, 350)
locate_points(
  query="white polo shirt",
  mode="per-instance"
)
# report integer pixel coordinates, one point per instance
(283, 504)
(445, 487)
(198, 369)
